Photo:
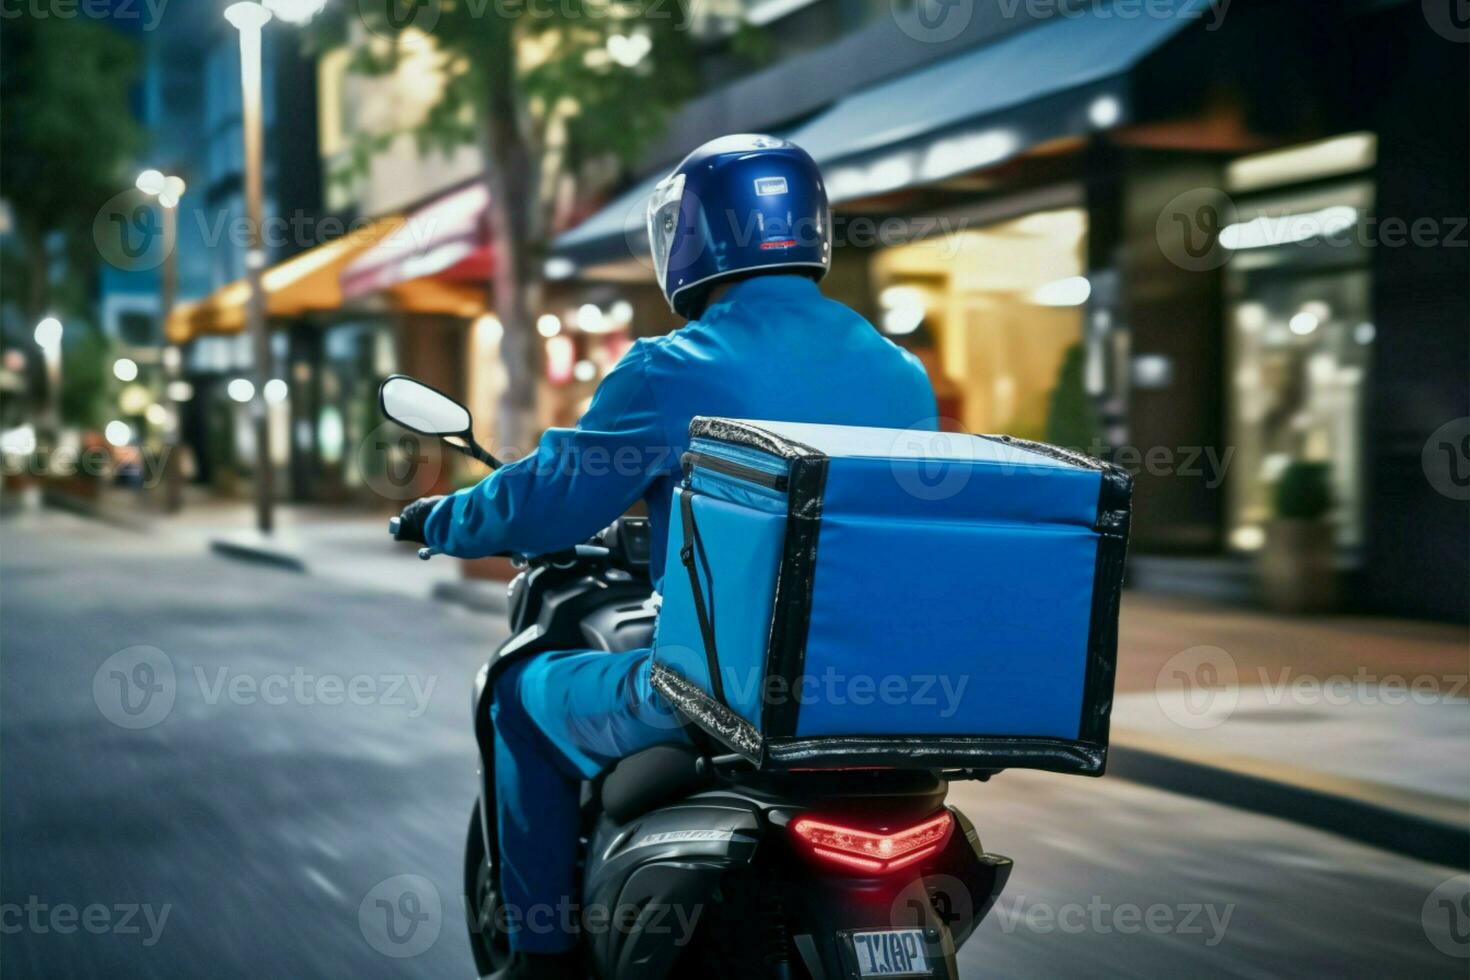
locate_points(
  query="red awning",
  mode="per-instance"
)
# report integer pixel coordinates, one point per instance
(448, 238)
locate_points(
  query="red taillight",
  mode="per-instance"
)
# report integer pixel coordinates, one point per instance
(871, 852)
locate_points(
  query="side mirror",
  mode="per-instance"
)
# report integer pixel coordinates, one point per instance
(430, 412)
(419, 408)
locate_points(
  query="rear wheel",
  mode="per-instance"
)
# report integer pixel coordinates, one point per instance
(488, 941)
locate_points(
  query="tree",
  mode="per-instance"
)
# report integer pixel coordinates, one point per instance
(543, 88)
(68, 132)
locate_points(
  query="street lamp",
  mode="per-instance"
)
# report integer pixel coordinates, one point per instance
(248, 18)
(48, 338)
(169, 190)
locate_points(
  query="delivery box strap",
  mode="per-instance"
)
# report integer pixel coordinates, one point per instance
(704, 613)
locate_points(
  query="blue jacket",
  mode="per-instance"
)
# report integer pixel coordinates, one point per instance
(772, 348)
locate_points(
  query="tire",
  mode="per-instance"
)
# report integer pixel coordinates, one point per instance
(488, 941)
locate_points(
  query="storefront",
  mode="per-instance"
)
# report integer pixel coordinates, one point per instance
(1129, 249)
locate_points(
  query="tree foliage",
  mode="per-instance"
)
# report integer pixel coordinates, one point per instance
(68, 133)
(544, 88)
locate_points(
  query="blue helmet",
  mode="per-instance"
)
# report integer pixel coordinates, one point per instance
(737, 206)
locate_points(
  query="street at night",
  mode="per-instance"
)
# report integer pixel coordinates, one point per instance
(248, 827)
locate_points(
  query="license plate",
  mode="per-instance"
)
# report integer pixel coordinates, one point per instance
(891, 953)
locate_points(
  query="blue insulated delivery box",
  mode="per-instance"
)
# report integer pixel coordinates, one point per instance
(838, 596)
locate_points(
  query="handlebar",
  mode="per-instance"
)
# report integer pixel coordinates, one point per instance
(425, 553)
(618, 545)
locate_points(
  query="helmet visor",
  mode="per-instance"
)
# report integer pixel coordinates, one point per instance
(663, 222)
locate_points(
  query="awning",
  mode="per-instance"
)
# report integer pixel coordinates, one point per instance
(447, 238)
(1066, 76)
(307, 283)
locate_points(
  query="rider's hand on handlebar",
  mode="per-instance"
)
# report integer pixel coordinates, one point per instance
(411, 521)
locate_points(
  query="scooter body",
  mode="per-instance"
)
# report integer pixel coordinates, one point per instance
(694, 863)
(692, 866)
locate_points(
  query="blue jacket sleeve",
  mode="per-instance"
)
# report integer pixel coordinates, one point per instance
(576, 482)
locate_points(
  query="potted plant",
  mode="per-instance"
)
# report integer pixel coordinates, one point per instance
(1298, 563)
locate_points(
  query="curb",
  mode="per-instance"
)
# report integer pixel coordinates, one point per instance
(258, 553)
(90, 509)
(1417, 825)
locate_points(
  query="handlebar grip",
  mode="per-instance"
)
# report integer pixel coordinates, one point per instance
(394, 523)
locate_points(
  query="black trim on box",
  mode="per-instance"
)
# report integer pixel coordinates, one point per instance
(715, 718)
(795, 581)
(744, 434)
(1115, 491)
(939, 752)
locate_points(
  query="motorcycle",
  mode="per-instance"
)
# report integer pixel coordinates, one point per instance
(694, 863)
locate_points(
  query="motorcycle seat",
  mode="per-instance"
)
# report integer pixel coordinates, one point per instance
(648, 779)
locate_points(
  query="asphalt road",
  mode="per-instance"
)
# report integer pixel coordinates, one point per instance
(213, 769)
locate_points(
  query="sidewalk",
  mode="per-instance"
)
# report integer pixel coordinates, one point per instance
(1354, 725)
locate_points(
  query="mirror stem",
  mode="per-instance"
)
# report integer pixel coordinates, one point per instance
(466, 444)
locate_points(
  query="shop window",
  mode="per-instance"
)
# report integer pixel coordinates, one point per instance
(996, 314)
(1300, 339)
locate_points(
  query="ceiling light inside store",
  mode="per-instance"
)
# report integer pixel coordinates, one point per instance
(48, 333)
(240, 390)
(902, 320)
(1364, 333)
(180, 391)
(557, 267)
(1264, 231)
(118, 432)
(584, 370)
(125, 369)
(1104, 111)
(1303, 323)
(591, 319)
(276, 391)
(1071, 291)
(621, 313)
(548, 324)
(489, 330)
(156, 414)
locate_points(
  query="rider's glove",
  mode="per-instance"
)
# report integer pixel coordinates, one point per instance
(415, 515)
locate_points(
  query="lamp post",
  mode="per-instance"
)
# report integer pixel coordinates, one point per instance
(248, 18)
(169, 190)
(48, 338)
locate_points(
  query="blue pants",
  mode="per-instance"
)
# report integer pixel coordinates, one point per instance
(561, 718)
